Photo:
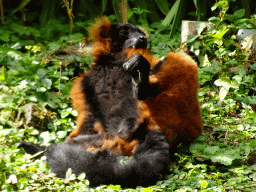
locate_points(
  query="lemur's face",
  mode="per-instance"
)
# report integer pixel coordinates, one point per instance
(125, 35)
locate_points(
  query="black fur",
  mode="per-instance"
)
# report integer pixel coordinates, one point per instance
(30, 148)
(125, 35)
(144, 167)
(193, 56)
(139, 68)
(110, 87)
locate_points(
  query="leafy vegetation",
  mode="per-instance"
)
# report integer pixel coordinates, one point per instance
(37, 70)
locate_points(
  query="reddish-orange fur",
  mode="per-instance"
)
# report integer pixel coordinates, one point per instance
(114, 143)
(175, 110)
(79, 103)
(100, 32)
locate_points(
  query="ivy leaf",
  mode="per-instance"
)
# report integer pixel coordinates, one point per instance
(74, 113)
(252, 144)
(47, 82)
(227, 156)
(212, 149)
(23, 84)
(54, 46)
(224, 82)
(225, 85)
(12, 179)
(81, 177)
(239, 13)
(223, 93)
(69, 176)
(41, 89)
(253, 66)
(41, 73)
(203, 183)
(62, 134)
(214, 20)
(45, 137)
(64, 113)
(223, 159)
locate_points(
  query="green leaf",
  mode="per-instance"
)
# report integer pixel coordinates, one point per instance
(5, 37)
(220, 34)
(21, 5)
(234, 84)
(197, 147)
(171, 14)
(69, 173)
(225, 85)
(223, 92)
(45, 137)
(224, 82)
(163, 6)
(253, 66)
(47, 82)
(23, 84)
(34, 99)
(203, 183)
(12, 179)
(22, 183)
(239, 13)
(224, 159)
(54, 46)
(214, 20)
(104, 5)
(62, 134)
(81, 177)
(223, 4)
(240, 127)
(238, 78)
(212, 149)
(3, 74)
(252, 144)
(64, 113)
(74, 113)
(69, 176)
(227, 155)
(192, 39)
(41, 89)
(41, 73)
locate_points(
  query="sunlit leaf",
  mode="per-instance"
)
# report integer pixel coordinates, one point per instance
(45, 137)
(221, 34)
(203, 183)
(223, 92)
(12, 179)
(64, 113)
(62, 134)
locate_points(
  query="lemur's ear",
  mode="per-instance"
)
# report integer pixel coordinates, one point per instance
(101, 29)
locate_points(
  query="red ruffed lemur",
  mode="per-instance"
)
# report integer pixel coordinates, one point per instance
(167, 95)
(131, 109)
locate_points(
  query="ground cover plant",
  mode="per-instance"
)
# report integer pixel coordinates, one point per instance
(37, 70)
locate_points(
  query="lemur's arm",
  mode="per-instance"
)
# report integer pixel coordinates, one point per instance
(139, 68)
